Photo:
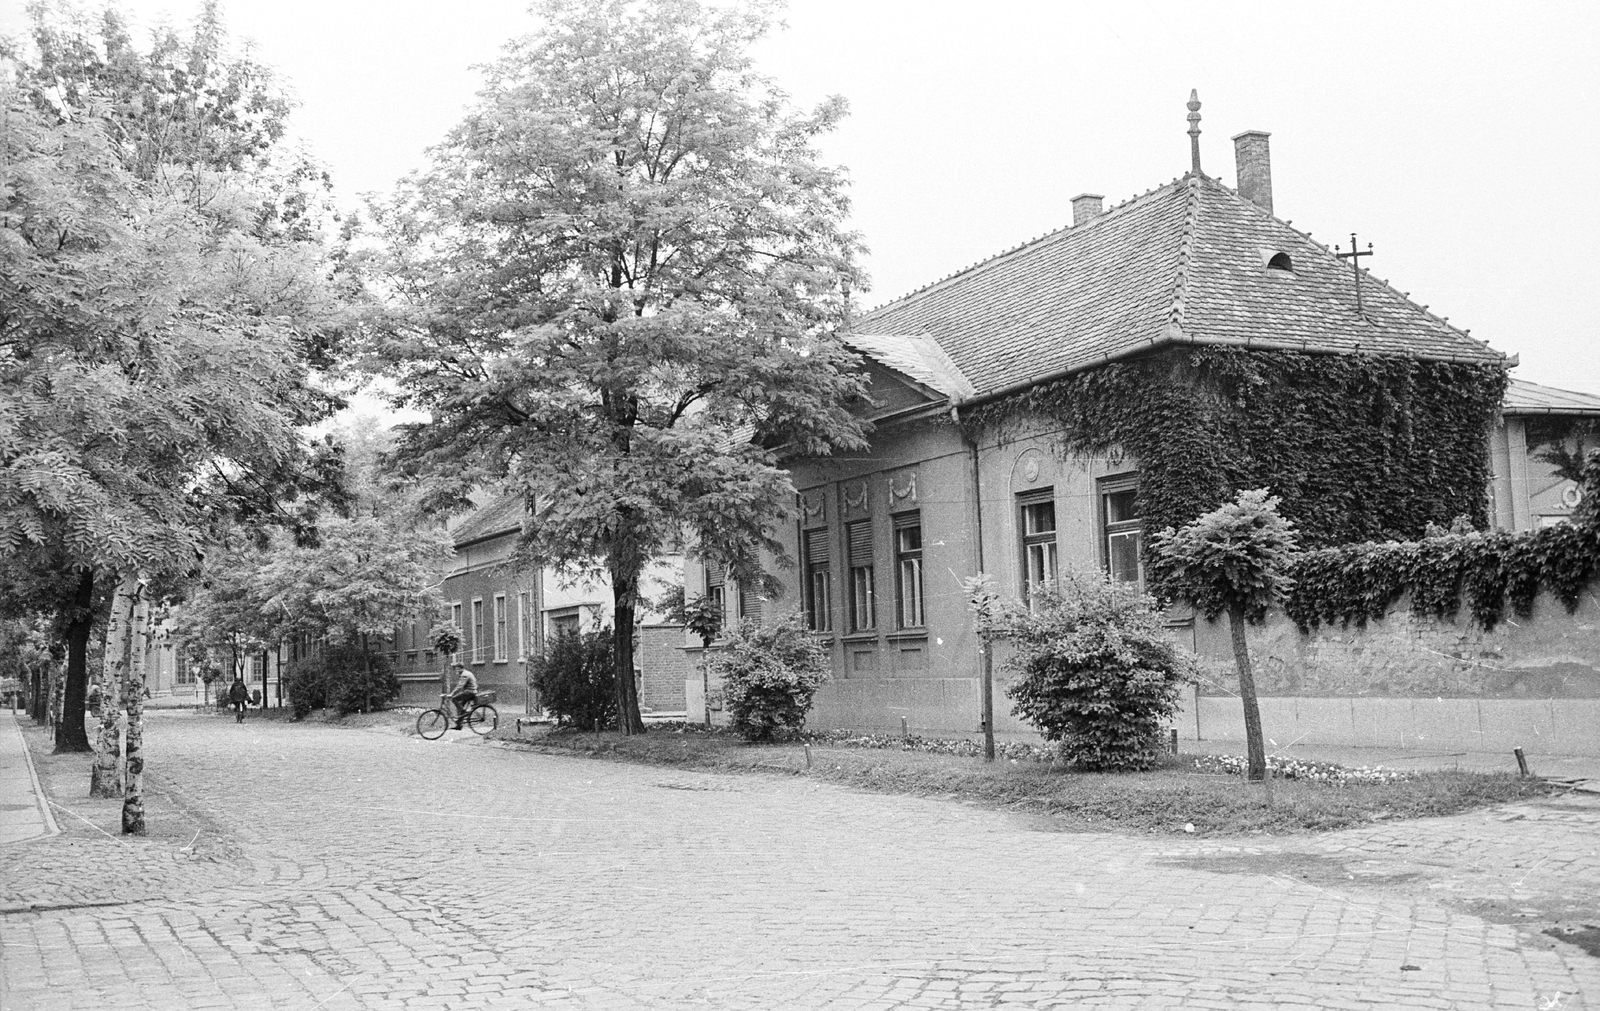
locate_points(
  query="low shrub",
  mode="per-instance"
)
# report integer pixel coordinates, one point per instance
(576, 679)
(770, 676)
(1094, 670)
(345, 678)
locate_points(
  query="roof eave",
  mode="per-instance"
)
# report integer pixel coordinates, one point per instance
(1304, 347)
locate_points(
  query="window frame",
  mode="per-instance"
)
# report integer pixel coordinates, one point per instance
(862, 588)
(502, 633)
(556, 619)
(716, 582)
(1118, 484)
(477, 631)
(522, 625)
(1047, 541)
(818, 618)
(910, 611)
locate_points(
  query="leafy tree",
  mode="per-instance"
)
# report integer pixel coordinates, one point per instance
(1235, 558)
(365, 577)
(153, 347)
(613, 293)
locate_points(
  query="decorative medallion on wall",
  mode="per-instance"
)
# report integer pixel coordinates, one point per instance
(1028, 468)
(900, 496)
(813, 507)
(1571, 495)
(855, 496)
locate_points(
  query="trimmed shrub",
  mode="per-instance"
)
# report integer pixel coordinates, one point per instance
(344, 678)
(1094, 669)
(770, 675)
(577, 681)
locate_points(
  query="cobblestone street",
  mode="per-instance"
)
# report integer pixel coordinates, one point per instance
(338, 869)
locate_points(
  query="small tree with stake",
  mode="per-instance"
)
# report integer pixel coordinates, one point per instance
(1234, 559)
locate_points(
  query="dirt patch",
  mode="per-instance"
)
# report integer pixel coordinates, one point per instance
(1313, 868)
(1585, 936)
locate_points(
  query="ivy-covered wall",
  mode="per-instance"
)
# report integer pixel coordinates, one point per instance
(1358, 447)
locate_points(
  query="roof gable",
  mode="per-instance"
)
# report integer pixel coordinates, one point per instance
(1185, 263)
(500, 515)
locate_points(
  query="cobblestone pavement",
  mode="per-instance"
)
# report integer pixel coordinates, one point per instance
(338, 869)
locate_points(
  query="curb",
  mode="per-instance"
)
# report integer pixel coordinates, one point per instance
(50, 826)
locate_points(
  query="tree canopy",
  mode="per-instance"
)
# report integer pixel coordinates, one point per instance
(155, 340)
(614, 291)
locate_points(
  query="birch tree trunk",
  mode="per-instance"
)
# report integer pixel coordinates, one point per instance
(133, 699)
(105, 779)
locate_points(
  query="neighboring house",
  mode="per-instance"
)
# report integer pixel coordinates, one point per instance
(507, 614)
(885, 538)
(1528, 493)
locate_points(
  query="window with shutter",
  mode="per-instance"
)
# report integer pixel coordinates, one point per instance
(818, 582)
(863, 592)
(717, 589)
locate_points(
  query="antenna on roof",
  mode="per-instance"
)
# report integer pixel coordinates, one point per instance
(1194, 129)
(1354, 256)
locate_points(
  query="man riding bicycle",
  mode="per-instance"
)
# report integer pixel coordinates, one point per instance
(465, 691)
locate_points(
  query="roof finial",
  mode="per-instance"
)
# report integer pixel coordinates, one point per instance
(1194, 129)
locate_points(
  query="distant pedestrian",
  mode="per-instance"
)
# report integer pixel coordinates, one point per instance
(238, 695)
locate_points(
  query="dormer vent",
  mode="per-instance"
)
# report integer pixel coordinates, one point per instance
(1280, 261)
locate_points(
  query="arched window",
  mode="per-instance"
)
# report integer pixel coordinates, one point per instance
(1280, 261)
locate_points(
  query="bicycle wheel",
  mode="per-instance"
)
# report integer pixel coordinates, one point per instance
(432, 724)
(483, 720)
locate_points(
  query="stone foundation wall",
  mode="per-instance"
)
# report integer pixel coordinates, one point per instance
(1553, 655)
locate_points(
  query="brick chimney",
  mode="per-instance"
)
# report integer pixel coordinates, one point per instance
(1254, 164)
(1086, 207)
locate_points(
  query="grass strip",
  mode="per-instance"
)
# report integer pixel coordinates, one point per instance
(1178, 798)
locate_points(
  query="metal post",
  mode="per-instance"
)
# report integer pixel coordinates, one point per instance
(904, 729)
(808, 756)
(1522, 761)
(1174, 740)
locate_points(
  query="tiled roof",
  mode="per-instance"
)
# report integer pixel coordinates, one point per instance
(919, 357)
(1184, 263)
(1523, 397)
(501, 515)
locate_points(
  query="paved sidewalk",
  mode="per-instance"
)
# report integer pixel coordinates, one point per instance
(24, 813)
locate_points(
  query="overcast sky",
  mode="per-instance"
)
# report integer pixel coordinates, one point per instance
(1458, 138)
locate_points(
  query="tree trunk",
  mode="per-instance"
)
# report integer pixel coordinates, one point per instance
(70, 732)
(105, 778)
(38, 694)
(624, 596)
(1247, 693)
(133, 698)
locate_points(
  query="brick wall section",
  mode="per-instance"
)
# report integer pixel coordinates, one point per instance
(1553, 655)
(664, 667)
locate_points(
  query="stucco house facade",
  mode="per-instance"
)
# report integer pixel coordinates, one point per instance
(885, 538)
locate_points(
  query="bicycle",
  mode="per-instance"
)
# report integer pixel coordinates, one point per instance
(481, 716)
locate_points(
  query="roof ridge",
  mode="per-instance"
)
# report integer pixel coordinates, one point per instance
(1180, 287)
(1064, 230)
